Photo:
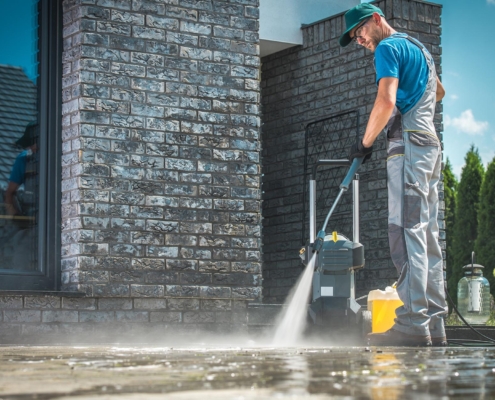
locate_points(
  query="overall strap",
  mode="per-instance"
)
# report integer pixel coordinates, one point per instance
(421, 46)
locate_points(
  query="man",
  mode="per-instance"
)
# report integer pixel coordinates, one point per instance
(18, 248)
(408, 89)
(18, 173)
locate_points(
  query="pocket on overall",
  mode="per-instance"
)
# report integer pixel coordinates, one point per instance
(423, 138)
(394, 126)
(422, 152)
(412, 211)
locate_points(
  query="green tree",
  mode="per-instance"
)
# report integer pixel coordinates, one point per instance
(466, 217)
(485, 242)
(449, 194)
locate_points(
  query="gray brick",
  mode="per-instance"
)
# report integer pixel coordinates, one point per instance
(127, 43)
(214, 266)
(218, 292)
(128, 69)
(117, 29)
(169, 317)
(182, 39)
(169, 24)
(228, 32)
(97, 316)
(150, 304)
(166, 49)
(18, 316)
(193, 27)
(132, 316)
(114, 304)
(42, 302)
(95, 12)
(10, 302)
(182, 13)
(182, 291)
(147, 59)
(147, 290)
(119, 4)
(181, 265)
(183, 304)
(111, 289)
(148, 6)
(198, 317)
(60, 316)
(148, 33)
(75, 303)
(128, 17)
(195, 53)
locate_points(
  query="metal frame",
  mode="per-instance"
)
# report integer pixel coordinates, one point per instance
(49, 97)
(321, 133)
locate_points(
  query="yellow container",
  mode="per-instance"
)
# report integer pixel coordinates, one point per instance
(382, 304)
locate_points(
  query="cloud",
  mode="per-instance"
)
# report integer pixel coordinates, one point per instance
(466, 123)
(490, 1)
(454, 96)
(487, 157)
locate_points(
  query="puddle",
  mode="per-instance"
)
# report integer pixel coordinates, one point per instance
(52, 372)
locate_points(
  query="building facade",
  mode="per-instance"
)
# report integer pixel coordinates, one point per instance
(170, 163)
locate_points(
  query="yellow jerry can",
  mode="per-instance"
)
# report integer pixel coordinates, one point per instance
(382, 304)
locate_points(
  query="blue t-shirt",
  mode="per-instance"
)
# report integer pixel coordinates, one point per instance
(18, 173)
(397, 57)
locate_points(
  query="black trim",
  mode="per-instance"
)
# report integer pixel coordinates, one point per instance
(39, 293)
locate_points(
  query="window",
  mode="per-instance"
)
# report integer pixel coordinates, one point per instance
(29, 144)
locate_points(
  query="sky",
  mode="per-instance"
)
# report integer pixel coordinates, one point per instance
(468, 75)
(18, 23)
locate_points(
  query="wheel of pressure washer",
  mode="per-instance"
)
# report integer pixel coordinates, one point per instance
(366, 322)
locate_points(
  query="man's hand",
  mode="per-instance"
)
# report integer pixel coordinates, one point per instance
(11, 211)
(359, 151)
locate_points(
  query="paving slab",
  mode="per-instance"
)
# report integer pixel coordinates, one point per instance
(244, 370)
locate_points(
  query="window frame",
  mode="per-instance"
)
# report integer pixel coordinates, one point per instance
(48, 276)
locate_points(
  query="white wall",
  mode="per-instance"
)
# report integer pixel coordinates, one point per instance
(281, 20)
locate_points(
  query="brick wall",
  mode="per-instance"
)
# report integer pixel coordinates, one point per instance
(73, 318)
(161, 153)
(314, 81)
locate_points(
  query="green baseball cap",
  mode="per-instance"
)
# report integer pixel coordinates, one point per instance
(354, 16)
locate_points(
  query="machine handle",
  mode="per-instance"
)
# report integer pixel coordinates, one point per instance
(333, 163)
(356, 163)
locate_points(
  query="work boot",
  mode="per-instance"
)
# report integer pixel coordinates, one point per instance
(439, 341)
(396, 338)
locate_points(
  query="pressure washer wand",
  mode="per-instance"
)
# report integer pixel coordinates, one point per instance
(344, 186)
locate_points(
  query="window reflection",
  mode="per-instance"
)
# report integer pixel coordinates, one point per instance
(19, 133)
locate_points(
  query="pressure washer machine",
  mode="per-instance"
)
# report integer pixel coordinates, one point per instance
(336, 259)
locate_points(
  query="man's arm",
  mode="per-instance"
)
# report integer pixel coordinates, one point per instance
(440, 90)
(382, 110)
(9, 198)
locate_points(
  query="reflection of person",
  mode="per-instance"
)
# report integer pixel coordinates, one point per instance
(18, 173)
(18, 249)
(408, 89)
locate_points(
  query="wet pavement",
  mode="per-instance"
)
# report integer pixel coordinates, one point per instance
(246, 372)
